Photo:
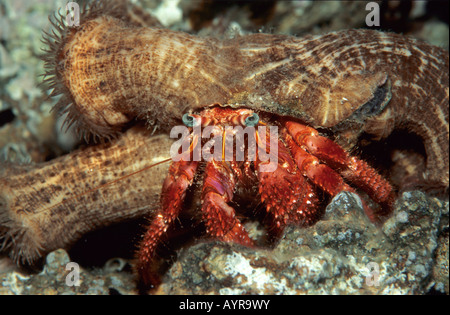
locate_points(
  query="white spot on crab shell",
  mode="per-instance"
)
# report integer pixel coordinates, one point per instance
(344, 100)
(175, 84)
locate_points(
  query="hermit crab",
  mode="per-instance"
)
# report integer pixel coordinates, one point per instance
(300, 161)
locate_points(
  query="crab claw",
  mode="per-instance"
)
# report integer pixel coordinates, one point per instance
(309, 148)
(288, 196)
(220, 218)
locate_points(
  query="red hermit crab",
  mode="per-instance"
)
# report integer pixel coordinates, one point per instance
(288, 166)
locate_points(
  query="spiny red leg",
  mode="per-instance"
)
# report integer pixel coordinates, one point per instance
(364, 176)
(220, 218)
(320, 174)
(181, 175)
(326, 150)
(287, 195)
(352, 168)
(323, 176)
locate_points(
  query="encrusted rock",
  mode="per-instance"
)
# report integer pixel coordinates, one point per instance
(342, 254)
(60, 275)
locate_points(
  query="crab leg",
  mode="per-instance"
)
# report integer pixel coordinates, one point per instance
(219, 217)
(322, 175)
(181, 175)
(289, 198)
(308, 147)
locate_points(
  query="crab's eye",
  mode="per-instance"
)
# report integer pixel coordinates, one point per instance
(252, 120)
(189, 120)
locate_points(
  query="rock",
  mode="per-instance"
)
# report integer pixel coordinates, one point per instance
(60, 275)
(342, 254)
